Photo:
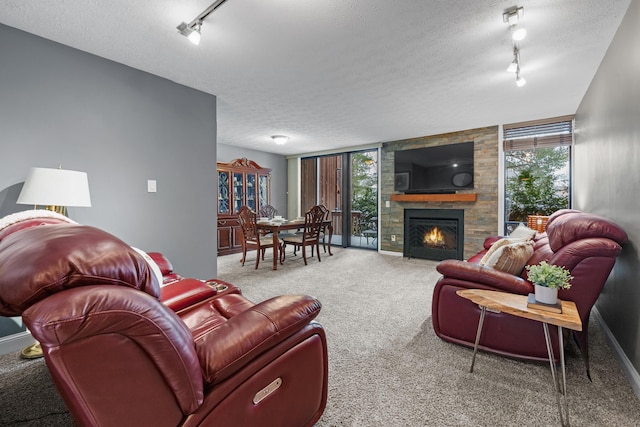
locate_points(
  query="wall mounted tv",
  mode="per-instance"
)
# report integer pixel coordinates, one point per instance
(439, 169)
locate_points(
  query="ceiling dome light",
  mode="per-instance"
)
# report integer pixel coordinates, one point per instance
(519, 34)
(280, 139)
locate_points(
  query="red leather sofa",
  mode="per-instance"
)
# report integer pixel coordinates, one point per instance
(118, 355)
(586, 244)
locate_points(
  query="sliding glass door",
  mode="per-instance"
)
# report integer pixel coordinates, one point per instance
(347, 184)
(364, 199)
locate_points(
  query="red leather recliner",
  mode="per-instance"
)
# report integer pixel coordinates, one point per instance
(586, 244)
(119, 356)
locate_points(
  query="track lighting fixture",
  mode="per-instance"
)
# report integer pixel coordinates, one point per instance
(512, 18)
(193, 29)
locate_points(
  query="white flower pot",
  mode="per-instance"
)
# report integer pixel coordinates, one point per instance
(546, 295)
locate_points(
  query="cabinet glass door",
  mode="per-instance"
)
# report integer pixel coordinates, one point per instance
(263, 191)
(238, 192)
(223, 192)
(251, 191)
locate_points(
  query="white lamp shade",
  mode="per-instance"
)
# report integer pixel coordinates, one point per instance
(56, 187)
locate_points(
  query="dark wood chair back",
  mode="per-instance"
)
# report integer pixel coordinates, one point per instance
(251, 236)
(313, 225)
(313, 221)
(268, 211)
(248, 221)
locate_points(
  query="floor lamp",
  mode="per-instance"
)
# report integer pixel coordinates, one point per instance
(54, 189)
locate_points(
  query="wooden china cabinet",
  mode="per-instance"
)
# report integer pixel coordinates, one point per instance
(240, 182)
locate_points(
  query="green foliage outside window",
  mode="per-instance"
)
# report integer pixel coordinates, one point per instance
(364, 186)
(537, 182)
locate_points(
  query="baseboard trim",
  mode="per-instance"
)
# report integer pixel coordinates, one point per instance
(393, 253)
(626, 365)
(15, 342)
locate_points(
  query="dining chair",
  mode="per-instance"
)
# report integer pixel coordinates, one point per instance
(323, 229)
(313, 221)
(253, 239)
(268, 211)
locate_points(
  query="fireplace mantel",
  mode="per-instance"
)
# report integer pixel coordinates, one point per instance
(462, 197)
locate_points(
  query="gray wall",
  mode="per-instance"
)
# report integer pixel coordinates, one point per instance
(275, 162)
(59, 105)
(607, 173)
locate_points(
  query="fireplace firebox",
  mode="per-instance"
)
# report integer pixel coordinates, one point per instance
(435, 234)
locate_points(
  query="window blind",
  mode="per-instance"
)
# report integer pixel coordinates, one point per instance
(540, 134)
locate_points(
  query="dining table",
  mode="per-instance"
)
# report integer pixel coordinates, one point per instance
(275, 227)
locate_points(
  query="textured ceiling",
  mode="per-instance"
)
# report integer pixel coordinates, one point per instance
(342, 73)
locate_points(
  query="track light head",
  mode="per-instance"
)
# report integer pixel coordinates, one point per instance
(194, 37)
(192, 29)
(519, 34)
(192, 32)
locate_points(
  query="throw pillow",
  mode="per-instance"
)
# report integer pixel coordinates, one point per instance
(523, 232)
(511, 258)
(497, 245)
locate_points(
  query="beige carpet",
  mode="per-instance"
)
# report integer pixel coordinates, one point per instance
(386, 366)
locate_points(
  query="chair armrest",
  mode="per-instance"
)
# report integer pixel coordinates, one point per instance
(476, 273)
(225, 349)
(184, 293)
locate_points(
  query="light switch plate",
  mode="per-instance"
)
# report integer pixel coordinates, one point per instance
(151, 186)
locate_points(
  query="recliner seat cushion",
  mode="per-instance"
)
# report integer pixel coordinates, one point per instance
(231, 345)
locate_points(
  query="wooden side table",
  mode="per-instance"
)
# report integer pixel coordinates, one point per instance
(516, 305)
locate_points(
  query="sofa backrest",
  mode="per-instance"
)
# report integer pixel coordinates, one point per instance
(39, 261)
(574, 226)
(18, 221)
(585, 244)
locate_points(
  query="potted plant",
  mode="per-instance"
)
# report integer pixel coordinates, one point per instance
(547, 279)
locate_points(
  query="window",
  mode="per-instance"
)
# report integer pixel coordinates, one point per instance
(537, 159)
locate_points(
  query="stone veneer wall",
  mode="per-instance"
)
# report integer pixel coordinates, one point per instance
(480, 217)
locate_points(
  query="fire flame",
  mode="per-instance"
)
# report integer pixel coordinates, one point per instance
(434, 237)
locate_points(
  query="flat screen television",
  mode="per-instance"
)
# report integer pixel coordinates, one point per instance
(440, 169)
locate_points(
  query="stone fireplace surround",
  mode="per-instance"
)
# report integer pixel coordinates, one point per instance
(480, 216)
